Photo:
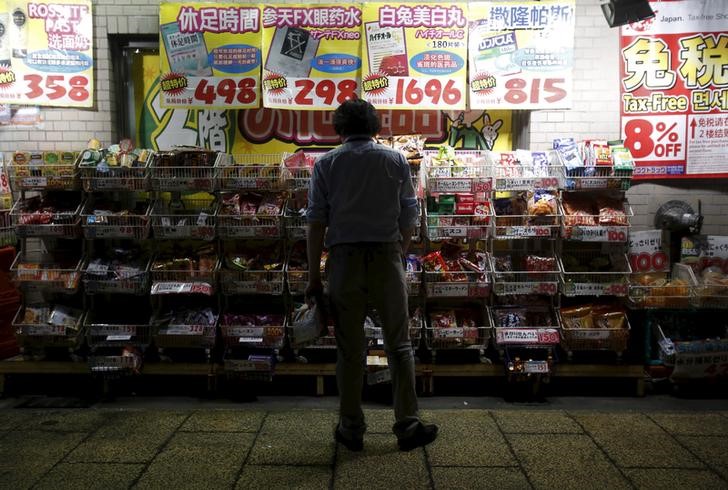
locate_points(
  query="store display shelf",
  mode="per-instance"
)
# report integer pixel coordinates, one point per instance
(587, 282)
(46, 272)
(594, 178)
(525, 326)
(296, 178)
(250, 171)
(97, 281)
(295, 225)
(249, 226)
(470, 330)
(263, 336)
(584, 227)
(524, 170)
(596, 339)
(661, 290)
(252, 281)
(468, 172)
(542, 280)
(113, 335)
(176, 336)
(45, 224)
(461, 284)
(126, 226)
(116, 178)
(182, 179)
(457, 226)
(41, 177)
(188, 218)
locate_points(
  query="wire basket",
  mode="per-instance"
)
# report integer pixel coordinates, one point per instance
(61, 224)
(597, 177)
(39, 336)
(458, 338)
(111, 335)
(711, 296)
(574, 227)
(253, 367)
(182, 281)
(252, 226)
(184, 336)
(116, 178)
(520, 281)
(375, 336)
(191, 218)
(7, 230)
(252, 282)
(595, 339)
(297, 178)
(167, 176)
(110, 364)
(524, 226)
(526, 335)
(250, 172)
(128, 283)
(510, 174)
(459, 284)
(664, 293)
(296, 226)
(131, 226)
(42, 177)
(45, 272)
(591, 283)
(473, 173)
(475, 227)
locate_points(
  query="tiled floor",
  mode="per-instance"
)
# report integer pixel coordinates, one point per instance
(267, 447)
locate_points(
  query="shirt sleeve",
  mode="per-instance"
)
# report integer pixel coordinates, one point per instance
(407, 199)
(318, 207)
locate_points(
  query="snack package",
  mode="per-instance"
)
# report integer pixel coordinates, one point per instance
(510, 318)
(611, 212)
(621, 156)
(62, 316)
(443, 319)
(609, 319)
(579, 210)
(577, 317)
(535, 263)
(34, 315)
(567, 150)
(541, 203)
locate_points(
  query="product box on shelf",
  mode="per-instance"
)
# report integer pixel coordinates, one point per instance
(524, 170)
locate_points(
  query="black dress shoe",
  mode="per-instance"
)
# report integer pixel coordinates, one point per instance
(355, 445)
(424, 435)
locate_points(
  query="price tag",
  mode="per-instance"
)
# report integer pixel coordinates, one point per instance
(245, 331)
(183, 91)
(589, 334)
(173, 287)
(540, 367)
(452, 185)
(250, 340)
(646, 253)
(183, 330)
(591, 183)
(515, 288)
(113, 231)
(527, 231)
(483, 185)
(117, 338)
(34, 182)
(585, 289)
(458, 231)
(515, 184)
(527, 336)
(547, 183)
(448, 333)
(41, 230)
(597, 233)
(50, 88)
(522, 93)
(39, 330)
(426, 93)
(238, 231)
(97, 268)
(446, 289)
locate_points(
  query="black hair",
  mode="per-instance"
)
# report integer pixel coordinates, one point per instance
(356, 116)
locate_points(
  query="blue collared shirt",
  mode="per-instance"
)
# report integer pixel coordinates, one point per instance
(362, 191)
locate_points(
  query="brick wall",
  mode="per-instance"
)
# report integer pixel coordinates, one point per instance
(595, 112)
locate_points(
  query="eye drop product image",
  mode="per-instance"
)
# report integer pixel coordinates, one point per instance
(186, 52)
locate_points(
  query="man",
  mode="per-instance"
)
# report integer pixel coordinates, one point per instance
(362, 200)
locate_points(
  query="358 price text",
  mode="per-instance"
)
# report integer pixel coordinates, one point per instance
(54, 87)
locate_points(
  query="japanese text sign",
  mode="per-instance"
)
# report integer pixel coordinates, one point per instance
(521, 54)
(209, 55)
(46, 53)
(646, 253)
(414, 55)
(311, 55)
(674, 90)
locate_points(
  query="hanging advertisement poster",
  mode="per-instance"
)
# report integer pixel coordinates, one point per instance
(521, 55)
(311, 55)
(674, 90)
(46, 53)
(210, 55)
(415, 55)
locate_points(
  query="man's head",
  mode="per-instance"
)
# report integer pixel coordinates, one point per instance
(356, 116)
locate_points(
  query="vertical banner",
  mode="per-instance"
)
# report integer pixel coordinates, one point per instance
(46, 53)
(415, 55)
(521, 55)
(674, 90)
(209, 55)
(311, 55)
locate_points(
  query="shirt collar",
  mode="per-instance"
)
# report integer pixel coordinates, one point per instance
(357, 137)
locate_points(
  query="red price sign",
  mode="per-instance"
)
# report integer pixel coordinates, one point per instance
(549, 288)
(323, 92)
(535, 91)
(54, 87)
(648, 262)
(548, 337)
(210, 92)
(427, 93)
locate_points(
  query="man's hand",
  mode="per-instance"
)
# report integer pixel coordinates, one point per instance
(314, 289)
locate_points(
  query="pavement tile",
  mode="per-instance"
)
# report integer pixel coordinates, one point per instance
(659, 479)
(381, 465)
(90, 476)
(128, 437)
(224, 421)
(69, 420)
(11, 418)
(565, 461)
(379, 421)
(692, 424)
(536, 421)
(196, 460)
(711, 450)
(453, 478)
(633, 440)
(296, 437)
(467, 438)
(299, 477)
(25, 456)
